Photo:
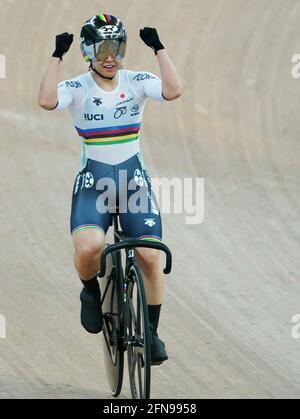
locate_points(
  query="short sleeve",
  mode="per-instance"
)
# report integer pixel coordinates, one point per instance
(146, 85)
(64, 96)
(71, 94)
(153, 88)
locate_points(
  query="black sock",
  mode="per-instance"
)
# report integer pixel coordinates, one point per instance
(92, 286)
(154, 314)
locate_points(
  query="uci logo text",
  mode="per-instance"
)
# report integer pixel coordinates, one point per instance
(141, 77)
(75, 84)
(90, 117)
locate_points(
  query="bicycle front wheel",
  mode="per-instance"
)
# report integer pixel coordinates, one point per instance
(138, 350)
(111, 290)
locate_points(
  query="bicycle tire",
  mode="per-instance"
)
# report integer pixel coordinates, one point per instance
(112, 303)
(138, 349)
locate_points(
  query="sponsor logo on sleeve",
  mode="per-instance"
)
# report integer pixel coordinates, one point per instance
(74, 84)
(144, 76)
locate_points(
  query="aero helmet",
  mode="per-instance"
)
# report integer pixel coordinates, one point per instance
(101, 36)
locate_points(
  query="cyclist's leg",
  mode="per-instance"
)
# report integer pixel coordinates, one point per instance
(146, 225)
(88, 225)
(149, 261)
(88, 247)
(88, 228)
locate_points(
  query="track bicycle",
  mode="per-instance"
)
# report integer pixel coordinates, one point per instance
(125, 313)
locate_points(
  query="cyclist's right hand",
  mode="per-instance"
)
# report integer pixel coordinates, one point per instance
(62, 45)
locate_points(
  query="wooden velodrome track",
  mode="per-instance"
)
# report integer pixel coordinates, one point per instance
(235, 283)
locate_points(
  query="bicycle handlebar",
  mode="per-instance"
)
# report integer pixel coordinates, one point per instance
(132, 243)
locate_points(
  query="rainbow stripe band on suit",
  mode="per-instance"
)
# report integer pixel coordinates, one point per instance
(150, 239)
(110, 135)
(86, 227)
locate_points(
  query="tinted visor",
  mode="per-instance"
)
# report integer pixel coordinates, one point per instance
(114, 48)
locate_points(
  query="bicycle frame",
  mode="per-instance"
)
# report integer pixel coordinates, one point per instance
(130, 260)
(129, 245)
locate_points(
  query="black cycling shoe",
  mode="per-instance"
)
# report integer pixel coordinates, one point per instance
(158, 351)
(91, 311)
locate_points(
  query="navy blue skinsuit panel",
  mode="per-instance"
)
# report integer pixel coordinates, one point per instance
(87, 211)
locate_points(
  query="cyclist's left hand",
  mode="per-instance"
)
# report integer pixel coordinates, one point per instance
(151, 38)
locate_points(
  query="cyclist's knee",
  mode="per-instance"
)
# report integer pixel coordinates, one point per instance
(89, 244)
(149, 260)
(88, 251)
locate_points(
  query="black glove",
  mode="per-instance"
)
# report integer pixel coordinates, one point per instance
(151, 38)
(63, 43)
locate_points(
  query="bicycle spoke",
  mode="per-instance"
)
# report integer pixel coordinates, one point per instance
(132, 312)
(141, 384)
(107, 344)
(139, 353)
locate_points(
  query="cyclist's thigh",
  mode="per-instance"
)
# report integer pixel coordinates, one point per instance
(146, 223)
(86, 212)
(144, 226)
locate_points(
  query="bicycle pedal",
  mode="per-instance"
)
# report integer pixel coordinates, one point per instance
(154, 364)
(136, 344)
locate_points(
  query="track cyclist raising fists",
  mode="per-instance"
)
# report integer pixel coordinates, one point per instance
(106, 105)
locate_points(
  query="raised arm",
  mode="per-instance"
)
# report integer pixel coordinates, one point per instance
(172, 88)
(48, 89)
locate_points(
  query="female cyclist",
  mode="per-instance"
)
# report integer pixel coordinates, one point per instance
(106, 105)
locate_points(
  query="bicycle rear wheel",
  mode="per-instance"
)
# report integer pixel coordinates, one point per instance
(138, 350)
(111, 291)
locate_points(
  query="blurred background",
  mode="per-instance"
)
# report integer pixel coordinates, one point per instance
(235, 282)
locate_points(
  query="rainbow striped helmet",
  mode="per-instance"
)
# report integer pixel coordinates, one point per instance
(99, 29)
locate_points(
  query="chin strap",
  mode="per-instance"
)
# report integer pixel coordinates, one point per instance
(97, 72)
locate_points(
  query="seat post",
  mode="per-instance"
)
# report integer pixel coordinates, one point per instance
(115, 222)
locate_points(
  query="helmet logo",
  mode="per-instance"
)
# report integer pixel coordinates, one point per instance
(108, 30)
